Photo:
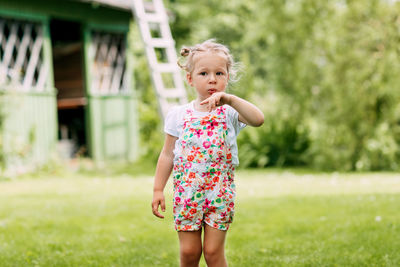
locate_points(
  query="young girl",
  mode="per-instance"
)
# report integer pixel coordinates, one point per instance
(200, 147)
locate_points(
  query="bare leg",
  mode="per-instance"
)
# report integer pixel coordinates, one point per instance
(214, 247)
(190, 248)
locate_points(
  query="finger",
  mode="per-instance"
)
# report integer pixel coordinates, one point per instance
(163, 205)
(205, 101)
(155, 210)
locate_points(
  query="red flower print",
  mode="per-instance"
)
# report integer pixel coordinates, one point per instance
(229, 156)
(206, 144)
(194, 204)
(192, 175)
(231, 204)
(215, 179)
(210, 133)
(212, 125)
(193, 211)
(190, 158)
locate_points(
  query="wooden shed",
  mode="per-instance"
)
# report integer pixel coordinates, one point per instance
(66, 81)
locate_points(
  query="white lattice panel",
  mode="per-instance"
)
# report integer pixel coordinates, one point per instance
(22, 63)
(109, 65)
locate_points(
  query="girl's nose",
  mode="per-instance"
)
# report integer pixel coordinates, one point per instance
(212, 78)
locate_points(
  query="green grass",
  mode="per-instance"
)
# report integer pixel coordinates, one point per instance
(283, 218)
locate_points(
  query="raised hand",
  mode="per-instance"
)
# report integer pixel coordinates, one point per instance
(216, 100)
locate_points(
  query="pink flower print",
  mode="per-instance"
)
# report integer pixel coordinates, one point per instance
(210, 133)
(187, 203)
(231, 205)
(212, 125)
(210, 152)
(178, 222)
(198, 132)
(188, 165)
(178, 200)
(180, 189)
(206, 204)
(206, 144)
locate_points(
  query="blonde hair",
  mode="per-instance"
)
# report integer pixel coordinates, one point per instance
(209, 46)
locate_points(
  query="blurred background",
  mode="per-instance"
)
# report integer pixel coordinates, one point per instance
(325, 73)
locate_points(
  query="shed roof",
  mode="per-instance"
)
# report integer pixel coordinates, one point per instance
(120, 4)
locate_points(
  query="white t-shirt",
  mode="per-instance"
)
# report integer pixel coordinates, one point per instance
(174, 121)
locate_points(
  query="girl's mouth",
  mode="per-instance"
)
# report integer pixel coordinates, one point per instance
(211, 91)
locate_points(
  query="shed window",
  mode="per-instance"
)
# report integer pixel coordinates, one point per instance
(109, 63)
(22, 64)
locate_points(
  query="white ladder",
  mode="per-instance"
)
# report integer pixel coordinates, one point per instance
(166, 75)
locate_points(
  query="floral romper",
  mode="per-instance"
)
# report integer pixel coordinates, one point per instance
(204, 189)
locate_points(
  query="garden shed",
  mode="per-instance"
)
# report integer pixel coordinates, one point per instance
(66, 81)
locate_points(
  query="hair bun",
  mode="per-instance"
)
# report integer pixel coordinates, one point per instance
(185, 51)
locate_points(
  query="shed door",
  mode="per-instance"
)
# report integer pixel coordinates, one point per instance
(111, 106)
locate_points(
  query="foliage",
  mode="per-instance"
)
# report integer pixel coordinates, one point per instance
(331, 68)
(2, 118)
(151, 136)
(291, 220)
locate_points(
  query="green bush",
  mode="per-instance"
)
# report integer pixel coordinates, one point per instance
(281, 141)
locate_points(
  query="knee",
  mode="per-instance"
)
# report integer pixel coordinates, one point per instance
(191, 253)
(212, 253)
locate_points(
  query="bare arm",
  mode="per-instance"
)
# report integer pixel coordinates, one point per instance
(248, 113)
(163, 171)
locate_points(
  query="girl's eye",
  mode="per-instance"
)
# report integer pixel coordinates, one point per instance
(220, 73)
(203, 73)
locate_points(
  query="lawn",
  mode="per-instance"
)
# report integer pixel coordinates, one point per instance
(283, 218)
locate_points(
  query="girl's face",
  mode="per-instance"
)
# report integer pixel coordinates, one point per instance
(209, 75)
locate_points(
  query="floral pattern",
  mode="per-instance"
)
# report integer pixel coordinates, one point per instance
(204, 189)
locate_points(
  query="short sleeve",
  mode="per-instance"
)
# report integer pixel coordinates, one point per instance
(171, 122)
(233, 116)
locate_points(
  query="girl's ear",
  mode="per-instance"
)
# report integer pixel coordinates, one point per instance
(189, 79)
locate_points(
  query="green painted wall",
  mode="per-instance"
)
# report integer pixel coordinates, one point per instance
(29, 136)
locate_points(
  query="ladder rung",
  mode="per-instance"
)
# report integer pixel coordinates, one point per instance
(160, 43)
(165, 67)
(153, 17)
(172, 93)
